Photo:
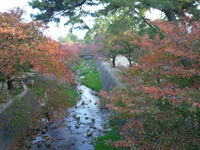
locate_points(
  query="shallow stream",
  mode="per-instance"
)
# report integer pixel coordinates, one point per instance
(86, 120)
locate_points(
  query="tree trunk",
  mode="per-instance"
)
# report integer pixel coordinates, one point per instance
(113, 62)
(9, 83)
(129, 60)
(2, 85)
(169, 12)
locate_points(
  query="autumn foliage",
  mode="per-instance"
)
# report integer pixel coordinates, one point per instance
(23, 46)
(160, 107)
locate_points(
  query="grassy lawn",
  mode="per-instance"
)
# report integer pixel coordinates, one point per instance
(113, 135)
(85, 71)
(92, 80)
(78, 65)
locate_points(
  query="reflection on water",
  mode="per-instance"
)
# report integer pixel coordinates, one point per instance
(84, 122)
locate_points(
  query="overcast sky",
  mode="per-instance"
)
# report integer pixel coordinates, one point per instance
(54, 31)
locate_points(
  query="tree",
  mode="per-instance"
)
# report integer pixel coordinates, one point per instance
(23, 46)
(69, 38)
(51, 10)
(160, 105)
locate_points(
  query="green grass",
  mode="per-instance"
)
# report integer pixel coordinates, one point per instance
(92, 80)
(78, 65)
(90, 62)
(73, 96)
(113, 135)
(68, 93)
(85, 71)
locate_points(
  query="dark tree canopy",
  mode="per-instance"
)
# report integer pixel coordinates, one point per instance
(51, 10)
(75, 10)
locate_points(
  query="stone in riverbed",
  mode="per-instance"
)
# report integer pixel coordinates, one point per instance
(47, 144)
(39, 145)
(77, 126)
(88, 130)
(86, 118)
(43, 131)
(78, 118)
(89, 133)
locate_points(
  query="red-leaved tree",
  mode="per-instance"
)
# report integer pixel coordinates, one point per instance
(160, 107)
(23, 46)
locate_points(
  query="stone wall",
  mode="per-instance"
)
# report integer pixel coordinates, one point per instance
(107, 77)
(15, 117)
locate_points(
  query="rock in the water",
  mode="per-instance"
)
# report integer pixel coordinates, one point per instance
(88, 130)
(76, 125)
(89, 133)
(47, 144)
(43, 131)
(73, 143)
(44, 137)
(39, 145)
(28, 145)
(86, 118)
(78, 118)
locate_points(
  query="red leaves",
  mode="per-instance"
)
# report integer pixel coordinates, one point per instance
(23, 43)
(160, 104)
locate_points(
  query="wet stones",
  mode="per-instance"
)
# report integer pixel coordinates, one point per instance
(48, 144)
(80, 91)
(88, 130)
(76, 125)
(74, 115)
(43, 131)
(86, 118)
(89, 133)
(39, 145)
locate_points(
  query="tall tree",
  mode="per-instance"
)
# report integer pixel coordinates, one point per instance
(23, 46)
(51, 10)
(69, 38)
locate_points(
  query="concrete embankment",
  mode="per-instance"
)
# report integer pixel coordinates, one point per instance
(15, 117)
(107, 77)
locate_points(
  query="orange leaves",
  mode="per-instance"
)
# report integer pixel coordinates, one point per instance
(23, 43)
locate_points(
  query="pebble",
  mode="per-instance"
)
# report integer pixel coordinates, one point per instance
(43, 131)
(48, 144)
(39, 145)
(89, 133)
(78, 118)
(76, 125)
(88, 130)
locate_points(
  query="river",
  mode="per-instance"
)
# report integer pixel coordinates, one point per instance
(86, 120)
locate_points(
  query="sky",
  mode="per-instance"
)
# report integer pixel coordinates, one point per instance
(54, 31)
